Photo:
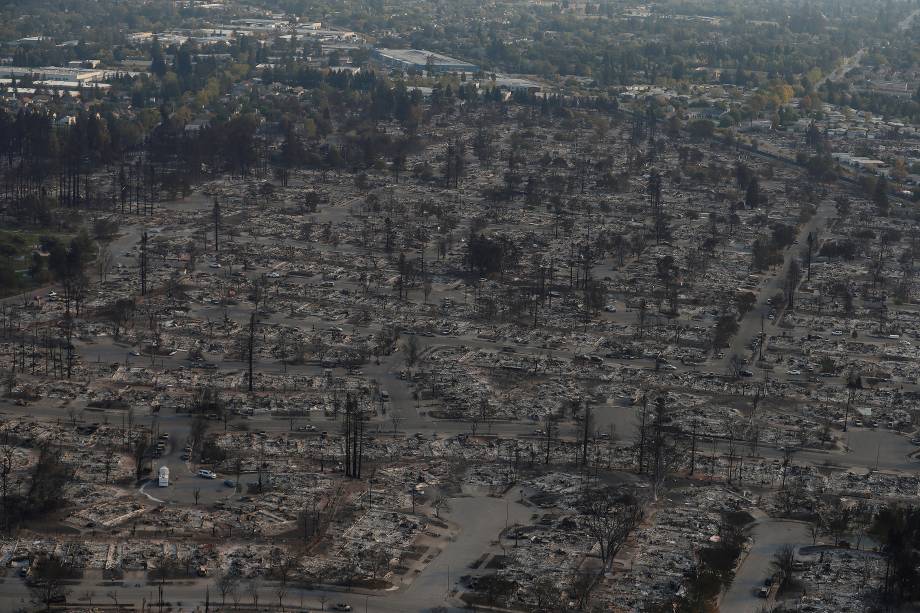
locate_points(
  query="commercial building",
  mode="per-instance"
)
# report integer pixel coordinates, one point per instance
(418, 59)
(81, 76)
(517, 84)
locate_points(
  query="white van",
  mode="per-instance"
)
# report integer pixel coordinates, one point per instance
(163, 475)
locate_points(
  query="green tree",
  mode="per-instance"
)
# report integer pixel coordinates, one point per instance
(701, 128)
(726, 327)
(880, 196)
(752, 197)
(744, 301)
(48, 581)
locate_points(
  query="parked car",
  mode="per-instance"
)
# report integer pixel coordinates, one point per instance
(207, 474)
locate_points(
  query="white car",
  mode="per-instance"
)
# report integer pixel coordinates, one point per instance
(207, 474)
(214, 265)
(794, 373)
(837, 333)
(274, 275)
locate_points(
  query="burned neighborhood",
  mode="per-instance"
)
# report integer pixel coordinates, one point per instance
(505, 306)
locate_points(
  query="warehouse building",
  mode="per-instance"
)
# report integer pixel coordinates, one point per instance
(81, 76)
(418, 59)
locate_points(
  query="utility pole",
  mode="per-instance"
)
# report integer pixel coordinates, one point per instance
(217, 226)
(144, 264)
(68, 322)
(846, 413)
(693, 448)
(642, 433)
(252, 343)
(811, 243)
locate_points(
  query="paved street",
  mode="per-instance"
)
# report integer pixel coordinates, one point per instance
(479, 519)
(769, 536)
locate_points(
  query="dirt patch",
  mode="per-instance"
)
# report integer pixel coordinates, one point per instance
(416, 552)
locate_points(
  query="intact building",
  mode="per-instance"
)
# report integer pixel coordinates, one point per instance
(81, 76)
(418, 59)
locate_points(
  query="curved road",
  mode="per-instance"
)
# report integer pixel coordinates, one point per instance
(769, 536)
